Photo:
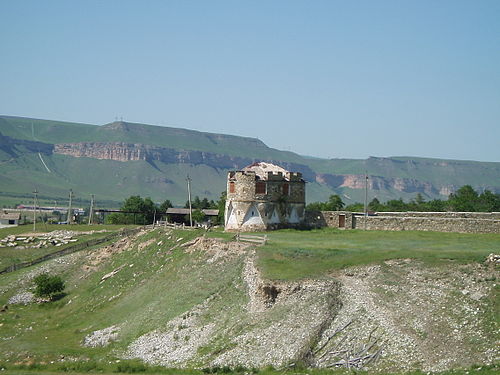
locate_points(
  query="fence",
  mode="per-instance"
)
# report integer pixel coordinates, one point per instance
(71, 249)
(260, 240)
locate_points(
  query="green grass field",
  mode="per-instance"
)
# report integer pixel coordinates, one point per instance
(292, 254)
(136, 367)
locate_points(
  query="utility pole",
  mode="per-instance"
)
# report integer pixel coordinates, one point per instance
(35, 200)
(366, 198)
(189, 200)
(91, 208)
(69, 218)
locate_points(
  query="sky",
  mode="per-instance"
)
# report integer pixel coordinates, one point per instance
(330, 79)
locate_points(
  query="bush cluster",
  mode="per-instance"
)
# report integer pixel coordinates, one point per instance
(47, 286)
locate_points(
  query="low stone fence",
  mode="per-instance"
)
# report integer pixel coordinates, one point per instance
(333, 219)
(462, 222)
(428, 223)
(445, 215)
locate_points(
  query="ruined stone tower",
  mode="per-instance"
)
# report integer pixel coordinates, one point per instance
(264, 196)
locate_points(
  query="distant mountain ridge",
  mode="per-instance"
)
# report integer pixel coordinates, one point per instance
(119, 159)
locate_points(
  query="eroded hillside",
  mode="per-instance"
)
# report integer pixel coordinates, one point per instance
(178, 299)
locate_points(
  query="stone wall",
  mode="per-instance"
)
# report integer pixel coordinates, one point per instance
(429, 223)
(461, 222)
(332, 219)
(464, 215)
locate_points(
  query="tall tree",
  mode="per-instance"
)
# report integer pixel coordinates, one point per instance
(335, 203)
(221, 205)
(374, 205)
(464, 199)
(165, 206)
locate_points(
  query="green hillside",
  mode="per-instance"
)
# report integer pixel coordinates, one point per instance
(28, 162)
(65, 132)
(188, 300)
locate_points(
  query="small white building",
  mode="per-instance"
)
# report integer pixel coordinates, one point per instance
(9, 219)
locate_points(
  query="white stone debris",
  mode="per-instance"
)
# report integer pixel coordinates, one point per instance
(41, 240)
(102, 337)
(23, 298)
(493, 259)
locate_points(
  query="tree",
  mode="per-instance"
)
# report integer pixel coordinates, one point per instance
(195, 203)
(436, 205)
(335, 203)
(198, 216)
(136, 211)
(47, 286)
(464, 199)
(316, 206)
(165, 206)
(375, 205)
(488, 202)
(355, 207)
(204, 204)
(396, 205)
(221, 206)
(148, 211)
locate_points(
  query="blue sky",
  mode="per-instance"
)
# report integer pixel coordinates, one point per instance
(333, 79)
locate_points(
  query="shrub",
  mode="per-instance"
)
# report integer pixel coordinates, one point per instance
(48, 286)
(131, 367)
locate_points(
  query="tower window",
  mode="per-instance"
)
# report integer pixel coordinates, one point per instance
(231, 187)
(286, 189)
(260, 187)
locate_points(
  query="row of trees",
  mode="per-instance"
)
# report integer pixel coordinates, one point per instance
(465, 199)
(137, 210)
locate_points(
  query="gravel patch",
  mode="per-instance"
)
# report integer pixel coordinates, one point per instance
(23, 298)
(101, 337)
(176, 345)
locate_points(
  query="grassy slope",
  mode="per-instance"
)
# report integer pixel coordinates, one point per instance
(149, 291)
(109, 180)
(65, 132)
(291, 255)
(161, 281)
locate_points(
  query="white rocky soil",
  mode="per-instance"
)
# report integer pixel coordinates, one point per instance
(400, 316)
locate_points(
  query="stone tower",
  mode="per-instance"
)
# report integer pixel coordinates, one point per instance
(264, 196)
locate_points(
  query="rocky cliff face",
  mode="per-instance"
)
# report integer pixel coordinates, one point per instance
(404, 185)
(407, 185)
(123, 152)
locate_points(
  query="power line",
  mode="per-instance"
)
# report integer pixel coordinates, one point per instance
(91, 208)
(35, 201)
(189, 200)
(69, 216)
(366, 197)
